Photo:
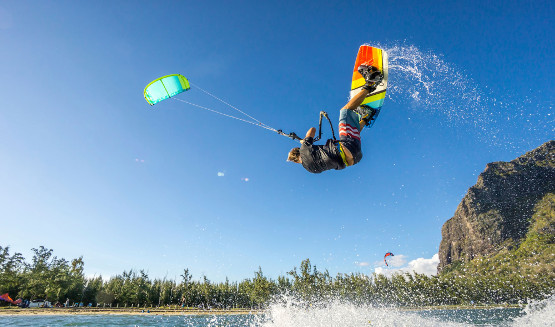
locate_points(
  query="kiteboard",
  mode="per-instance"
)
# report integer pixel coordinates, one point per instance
(376, 57)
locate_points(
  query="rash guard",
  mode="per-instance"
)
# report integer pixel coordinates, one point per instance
(319, 158)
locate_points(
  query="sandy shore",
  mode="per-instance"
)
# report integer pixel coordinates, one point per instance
(8, 311)
(118, 311)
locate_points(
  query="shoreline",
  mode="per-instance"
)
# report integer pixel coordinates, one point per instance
(14, 311)
(118, 311)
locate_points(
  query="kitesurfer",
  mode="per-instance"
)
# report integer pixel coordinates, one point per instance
(338, 154)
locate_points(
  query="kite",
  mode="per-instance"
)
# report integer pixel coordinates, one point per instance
(387, 255)
(6, 297)
(165, 87)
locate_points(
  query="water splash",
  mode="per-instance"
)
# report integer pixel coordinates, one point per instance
(288, 311)
(424, 79)
(339, 314)
(538, 313)
(425, 82)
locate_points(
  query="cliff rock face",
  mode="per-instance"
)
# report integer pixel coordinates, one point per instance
(495, 213)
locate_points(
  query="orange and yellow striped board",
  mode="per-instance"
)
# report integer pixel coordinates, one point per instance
(374, 57)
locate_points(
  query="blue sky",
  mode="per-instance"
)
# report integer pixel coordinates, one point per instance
(88, 168)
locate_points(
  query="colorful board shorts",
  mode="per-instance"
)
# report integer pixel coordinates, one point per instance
(349, 133)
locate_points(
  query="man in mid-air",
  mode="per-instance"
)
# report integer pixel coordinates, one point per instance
(352, 118)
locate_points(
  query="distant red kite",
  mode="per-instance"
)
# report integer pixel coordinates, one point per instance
(386, 255)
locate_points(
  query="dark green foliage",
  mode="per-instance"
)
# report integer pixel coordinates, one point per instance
(11, 268)
(518, 269)
(46, 277)
(57, 280)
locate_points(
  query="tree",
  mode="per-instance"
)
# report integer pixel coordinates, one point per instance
(11, 268)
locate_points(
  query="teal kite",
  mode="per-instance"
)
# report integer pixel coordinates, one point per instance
(165, 87)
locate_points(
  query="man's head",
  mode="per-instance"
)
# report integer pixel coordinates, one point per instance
(295, 155)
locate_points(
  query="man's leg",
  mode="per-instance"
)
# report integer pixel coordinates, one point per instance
(373, 77)
(357, 101)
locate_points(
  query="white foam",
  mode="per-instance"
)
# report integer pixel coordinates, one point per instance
(538, 313)
(295, 313)
(288, 311)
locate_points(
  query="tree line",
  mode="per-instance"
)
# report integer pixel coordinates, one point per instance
(58, 280)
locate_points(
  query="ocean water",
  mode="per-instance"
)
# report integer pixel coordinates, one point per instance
(333, 314)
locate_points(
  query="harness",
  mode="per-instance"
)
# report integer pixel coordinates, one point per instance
(342, 153)
(335, 141)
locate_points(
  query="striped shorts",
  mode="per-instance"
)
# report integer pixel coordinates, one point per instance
(349, 124)
(349, 133)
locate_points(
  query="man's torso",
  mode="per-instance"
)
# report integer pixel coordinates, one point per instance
(319, 158)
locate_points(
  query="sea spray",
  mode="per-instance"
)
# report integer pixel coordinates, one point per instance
(426, 83)
(291, 311)
(538, 313)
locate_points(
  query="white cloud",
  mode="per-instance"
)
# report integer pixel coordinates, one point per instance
(421, 265)
(362, 264)
(397, 260)
(425, 266)
(385, 271)
(220, 174)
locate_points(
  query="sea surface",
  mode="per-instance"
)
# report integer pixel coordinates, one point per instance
(333, 315)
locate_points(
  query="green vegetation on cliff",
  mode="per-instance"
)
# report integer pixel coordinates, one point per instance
(528, 263)
(497, 221)
(532, 258)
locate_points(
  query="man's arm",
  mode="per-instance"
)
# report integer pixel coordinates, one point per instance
(311, 132)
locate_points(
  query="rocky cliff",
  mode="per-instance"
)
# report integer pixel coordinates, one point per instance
(496, 213)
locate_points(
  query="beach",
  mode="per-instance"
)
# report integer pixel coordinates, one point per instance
(8, 311)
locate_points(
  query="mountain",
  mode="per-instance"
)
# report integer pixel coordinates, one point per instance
(508, 214)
